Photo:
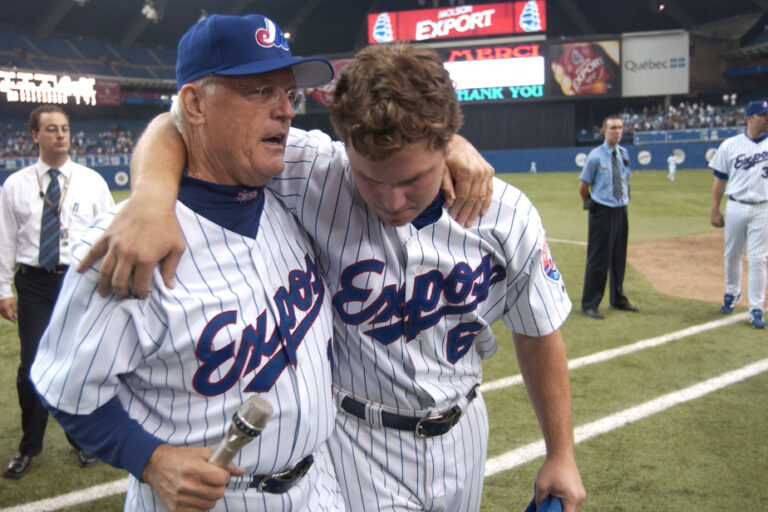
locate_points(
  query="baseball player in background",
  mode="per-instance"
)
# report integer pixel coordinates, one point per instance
(672, 166)
(415, 292)
(150, 385)
(741, 172)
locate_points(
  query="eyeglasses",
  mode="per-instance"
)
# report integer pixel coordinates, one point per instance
(267, 95)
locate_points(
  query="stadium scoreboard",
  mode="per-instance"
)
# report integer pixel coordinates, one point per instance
(31, 87)
(530, 71)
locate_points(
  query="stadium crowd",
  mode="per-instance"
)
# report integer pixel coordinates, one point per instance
(15, 142)
(684, 116)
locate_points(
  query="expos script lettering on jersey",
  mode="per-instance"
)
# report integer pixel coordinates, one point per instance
(434, 297)
(259, 353)
(745, 162)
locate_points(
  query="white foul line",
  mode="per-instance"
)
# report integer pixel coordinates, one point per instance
(574, 242)
(535, 450)
(623, 350)
(73, 498)
(523, 454)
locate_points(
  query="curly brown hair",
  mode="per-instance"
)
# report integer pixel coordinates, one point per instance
(392, 95)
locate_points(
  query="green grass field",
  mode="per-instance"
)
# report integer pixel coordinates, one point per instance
(705, 454)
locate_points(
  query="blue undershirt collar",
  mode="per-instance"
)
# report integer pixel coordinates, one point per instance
(236, 208)
(431, 213)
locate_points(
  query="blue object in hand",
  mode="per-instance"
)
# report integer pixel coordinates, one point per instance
(550, 504)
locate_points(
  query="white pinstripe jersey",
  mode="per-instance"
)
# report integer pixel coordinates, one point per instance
(245, 316)
(745, 162)
(413, 308)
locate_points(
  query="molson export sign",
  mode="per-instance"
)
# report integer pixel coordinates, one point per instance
(505, 18)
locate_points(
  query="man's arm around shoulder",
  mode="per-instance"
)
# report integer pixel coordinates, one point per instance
(146, 230)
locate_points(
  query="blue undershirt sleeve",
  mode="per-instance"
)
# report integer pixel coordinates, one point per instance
(110, 434)
(720, 175)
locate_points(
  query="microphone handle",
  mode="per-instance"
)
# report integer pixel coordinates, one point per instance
(223, 454)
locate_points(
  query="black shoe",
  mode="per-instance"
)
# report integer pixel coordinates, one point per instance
(626, 307)
(86, 459)
(18, 466)
(592, 313)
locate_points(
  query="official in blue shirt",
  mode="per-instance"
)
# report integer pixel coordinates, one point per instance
(604, 189)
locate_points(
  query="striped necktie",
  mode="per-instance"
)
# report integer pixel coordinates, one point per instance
(50, 230)
(617, 188)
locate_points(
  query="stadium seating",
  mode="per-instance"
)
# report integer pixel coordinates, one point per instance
(75, 56)
(54, 47)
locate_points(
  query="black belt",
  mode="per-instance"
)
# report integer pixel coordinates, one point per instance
(745, 202)
(429, 426)
(281, 482)
(29, 269)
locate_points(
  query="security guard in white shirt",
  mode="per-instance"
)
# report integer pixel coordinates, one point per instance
(44, 209)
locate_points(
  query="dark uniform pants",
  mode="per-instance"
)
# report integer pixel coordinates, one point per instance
(606, 251)
(37, 290)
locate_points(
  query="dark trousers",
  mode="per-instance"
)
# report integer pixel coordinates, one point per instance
(37, 291)
(606, 251)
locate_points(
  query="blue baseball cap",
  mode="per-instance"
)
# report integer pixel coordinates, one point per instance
(757, 107)
(243, 45)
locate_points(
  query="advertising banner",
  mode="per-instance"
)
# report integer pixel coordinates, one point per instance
(655, 63)
(584, 69)
(505, 18)
(107, 92)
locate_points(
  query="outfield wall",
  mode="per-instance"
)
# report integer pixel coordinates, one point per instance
(690, 155)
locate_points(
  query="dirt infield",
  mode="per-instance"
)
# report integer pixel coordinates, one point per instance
(689, 267)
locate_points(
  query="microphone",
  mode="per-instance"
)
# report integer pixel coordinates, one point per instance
(247, 423)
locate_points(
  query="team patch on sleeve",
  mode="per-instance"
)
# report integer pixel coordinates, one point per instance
(548, 263)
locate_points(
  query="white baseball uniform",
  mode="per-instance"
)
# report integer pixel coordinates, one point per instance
(413, 310)
(743, 162)
(248, 314)
(672, 166)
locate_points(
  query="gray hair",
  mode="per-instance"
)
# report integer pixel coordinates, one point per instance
(177, 114)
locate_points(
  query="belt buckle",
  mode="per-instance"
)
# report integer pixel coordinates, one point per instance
(449, 416)
(262, 483)
(289, 475)
(419, 425)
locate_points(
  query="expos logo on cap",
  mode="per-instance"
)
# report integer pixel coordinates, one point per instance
(243, 45)
(271, 36)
